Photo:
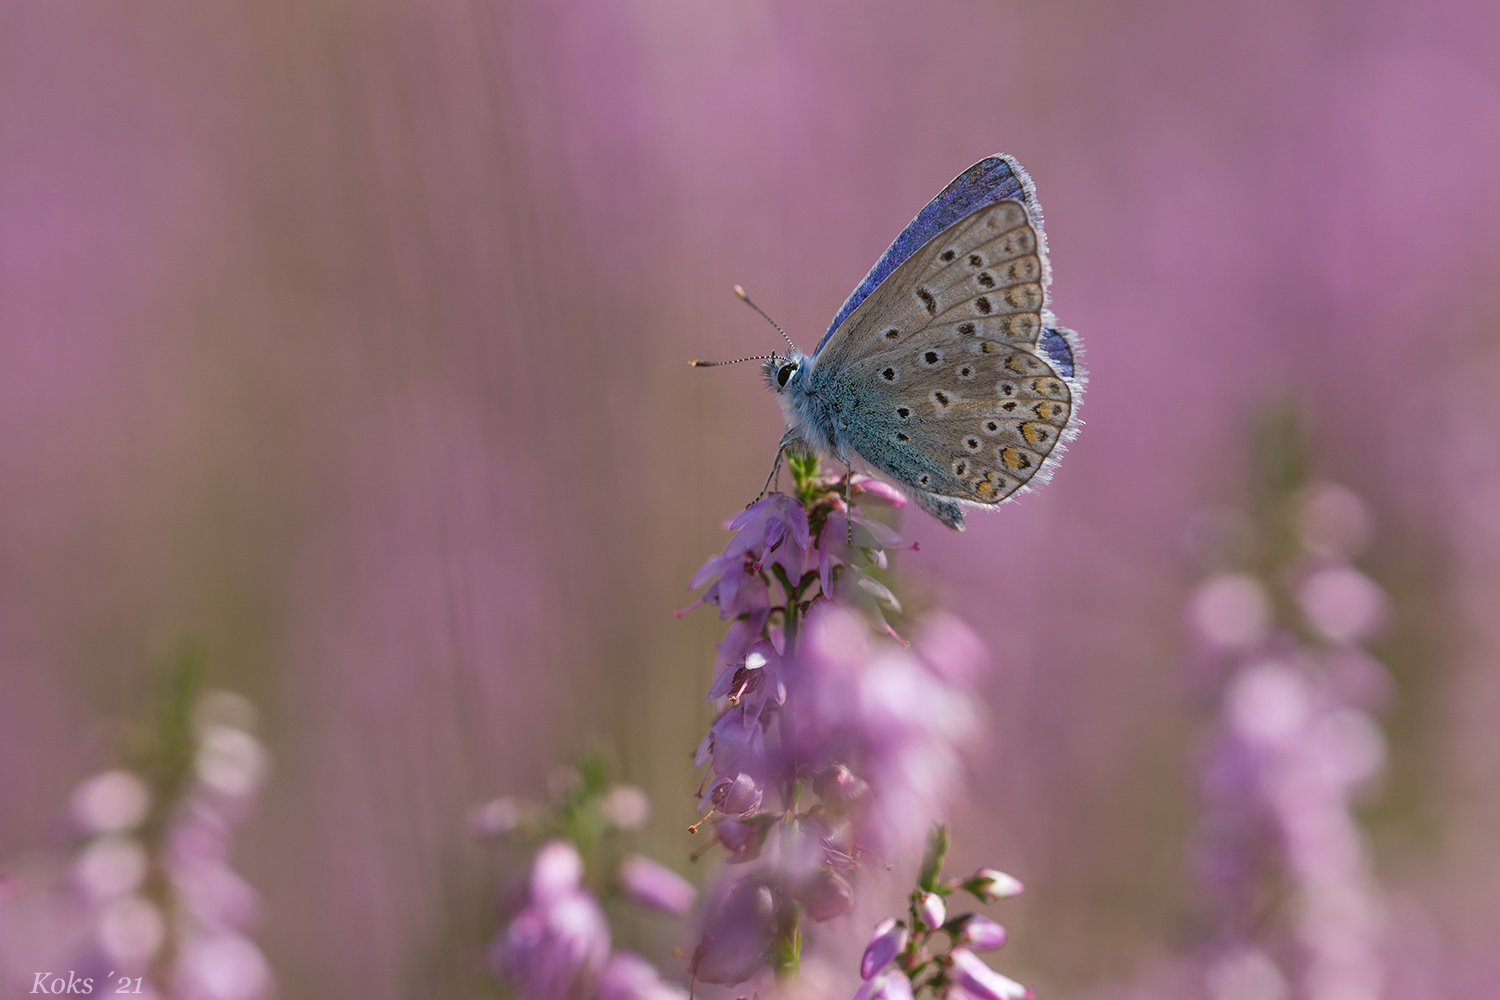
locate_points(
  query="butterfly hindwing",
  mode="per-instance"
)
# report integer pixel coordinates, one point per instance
(976, 423)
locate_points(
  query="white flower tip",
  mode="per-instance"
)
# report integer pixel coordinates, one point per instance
(1231, 610)
(230, 760)
(496, 817)
(626, 806)
(558, 869)
(114, 800)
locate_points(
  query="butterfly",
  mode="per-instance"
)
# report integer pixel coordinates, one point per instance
(945, 370)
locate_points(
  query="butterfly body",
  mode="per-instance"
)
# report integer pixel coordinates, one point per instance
(945, 370)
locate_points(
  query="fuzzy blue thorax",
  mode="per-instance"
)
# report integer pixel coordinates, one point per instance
(811, 416)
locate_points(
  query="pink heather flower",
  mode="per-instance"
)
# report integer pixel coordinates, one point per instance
(979, 933)
(553, 950)
(980, 981)
(931, 909)
(841, 789)
(626, 806)
(888, 941)
(742, 840)
(829, 896)
(735, 796)
(870, 490)
(1294, 746)
(773, 530)
(557, 870)
(951, 649)
(757, 674)
(990, 885)
(738, 930)
(873, 706)
(892, 985)
(656, 886)
(628, 976)
(839, 739)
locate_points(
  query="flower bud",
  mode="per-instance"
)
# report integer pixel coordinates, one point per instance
(977, 932)
(738, 932)
(840, 788)
(931, 910)
(830, 896)
(626, 806)
(628, 976)
(497, 817)
(736, 796)
(656, 886)
(888, 941)
(557, 870)
(742, 840)
(988, 885)
(981, 981)
(891, 985)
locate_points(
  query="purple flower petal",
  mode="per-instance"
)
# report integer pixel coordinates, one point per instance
(931, 910)
(830, 896)
(656, 886)
(989, 885)
(982, 981)
(738, 930)
(556, 871)
(888, 941)
(979, 933)
(628, 976)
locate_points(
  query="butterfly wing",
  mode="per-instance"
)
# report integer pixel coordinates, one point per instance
(995, 178)
(966, 386)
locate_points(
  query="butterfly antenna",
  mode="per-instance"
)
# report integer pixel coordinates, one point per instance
(746, 299)
(696, 363)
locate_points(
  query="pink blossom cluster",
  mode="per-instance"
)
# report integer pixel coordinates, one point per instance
(558, 944)
(933, 952)
(837, 741)
(150, 897)
(1296, 743)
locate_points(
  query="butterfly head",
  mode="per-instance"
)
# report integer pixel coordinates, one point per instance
(783, 371)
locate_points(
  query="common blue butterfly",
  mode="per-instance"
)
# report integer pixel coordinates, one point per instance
(945, 370)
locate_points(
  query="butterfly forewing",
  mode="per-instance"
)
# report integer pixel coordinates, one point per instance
(984, 277)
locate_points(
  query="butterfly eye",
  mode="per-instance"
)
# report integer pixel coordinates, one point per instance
(785, 374)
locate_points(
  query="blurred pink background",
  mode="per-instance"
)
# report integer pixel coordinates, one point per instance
(348, 339)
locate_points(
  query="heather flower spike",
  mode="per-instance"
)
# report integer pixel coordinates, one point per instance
(836, 741)
(1278, 618)
(888, 941)
(935, 957)
(558, 945)
(151, 893)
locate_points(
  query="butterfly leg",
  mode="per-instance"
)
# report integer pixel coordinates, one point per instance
(848, 506)
(786, 439)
